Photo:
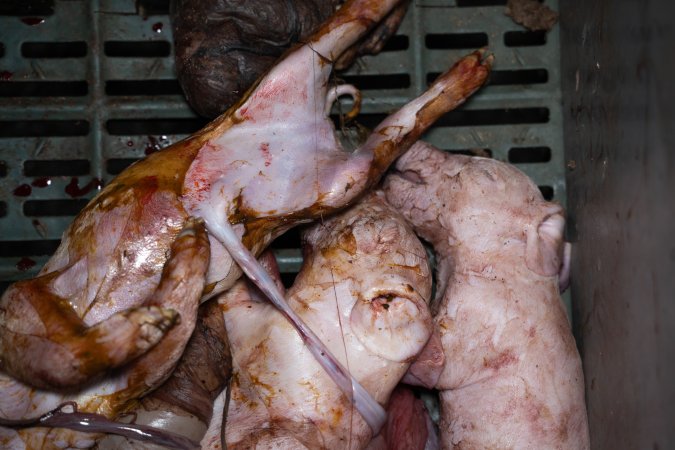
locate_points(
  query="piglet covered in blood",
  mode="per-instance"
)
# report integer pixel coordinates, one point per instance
(268, 163)
(512, 375)
(364, 288)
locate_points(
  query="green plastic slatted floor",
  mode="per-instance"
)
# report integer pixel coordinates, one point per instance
(89, 88)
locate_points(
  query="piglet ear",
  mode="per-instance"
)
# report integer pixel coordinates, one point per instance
(392, 325)
(544, 247)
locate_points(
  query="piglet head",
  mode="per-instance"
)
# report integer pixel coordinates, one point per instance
(369, 265)
(274, 160)
(478, 204)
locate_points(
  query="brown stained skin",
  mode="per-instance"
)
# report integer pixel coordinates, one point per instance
(376, 40)
(368, 258)
(203, 370)
(157, 179)
(113, 257)
(180, 289)
(466, 76)
(502, 360)
(347, 242)
(140, 184)
(184, 404)
(178, 292)
(81, 345)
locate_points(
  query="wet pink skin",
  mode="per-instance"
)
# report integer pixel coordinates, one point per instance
(267, 164)
(177, 293)
(363, 288)
(512, 375)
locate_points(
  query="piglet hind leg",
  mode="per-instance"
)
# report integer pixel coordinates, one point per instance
(45, 344)
(275, 157)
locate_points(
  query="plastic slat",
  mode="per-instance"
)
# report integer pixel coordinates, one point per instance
(99, 21)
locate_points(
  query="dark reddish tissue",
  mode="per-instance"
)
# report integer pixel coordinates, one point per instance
(74, 190)
(42, 182)
(23, 191)
(32, 21)
(24, 264)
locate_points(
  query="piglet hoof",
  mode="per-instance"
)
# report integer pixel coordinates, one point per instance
(137, 329)
(76, 353)
(46, 344)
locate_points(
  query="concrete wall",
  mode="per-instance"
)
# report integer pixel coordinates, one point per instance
(618, 62)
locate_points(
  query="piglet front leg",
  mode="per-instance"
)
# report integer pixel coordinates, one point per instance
(184, 403)
(46, 344)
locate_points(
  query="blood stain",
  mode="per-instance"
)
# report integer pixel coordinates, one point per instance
(74, 190)
(157, 27)
(23, 191)
(32, 21)
(265, 149)
(148, 188)
(24, 264)
(6, 75)
(130, 143)
(42, 182)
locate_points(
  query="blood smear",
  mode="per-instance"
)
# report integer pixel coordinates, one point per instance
(23, 191)
(74, 190)
(25, 264)
(32, 21)
(42, 182)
